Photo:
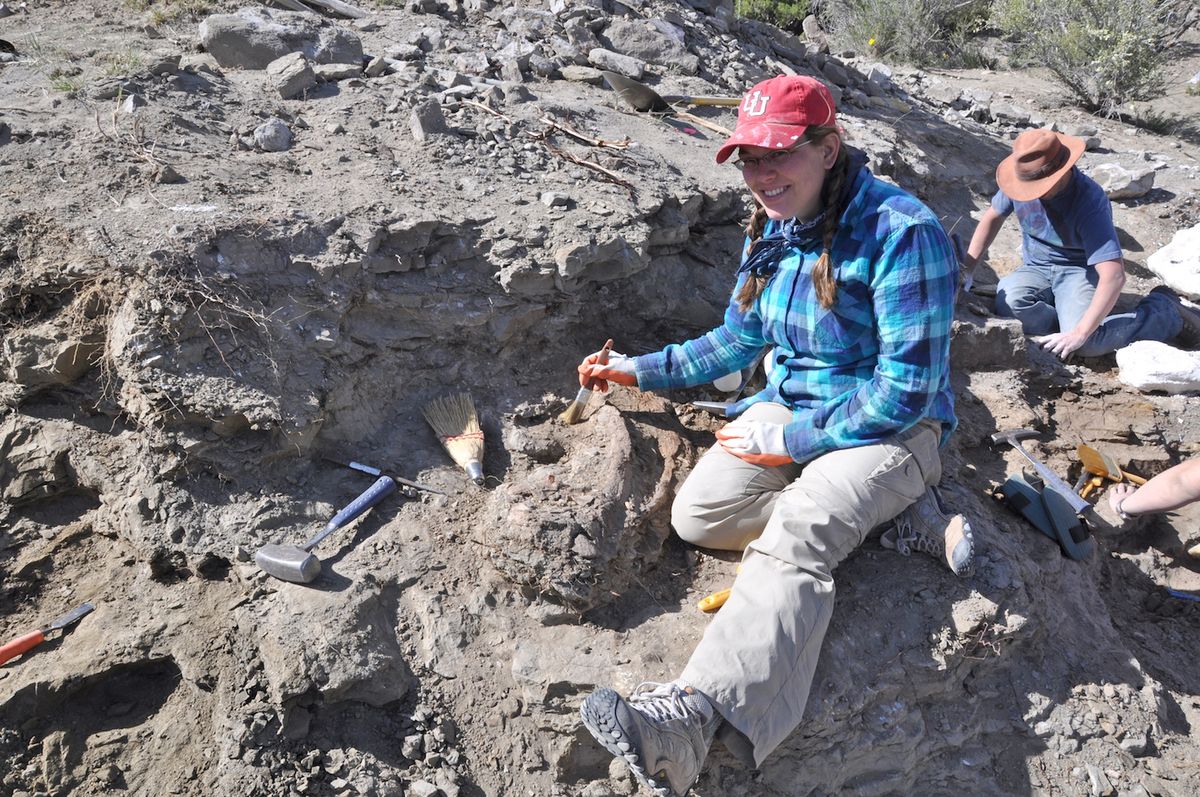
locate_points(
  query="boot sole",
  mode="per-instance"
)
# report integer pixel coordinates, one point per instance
(957, 532)
(599, 713)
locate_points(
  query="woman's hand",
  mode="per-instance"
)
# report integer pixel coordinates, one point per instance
(619, 369)
(757, 442)
(1118, 493)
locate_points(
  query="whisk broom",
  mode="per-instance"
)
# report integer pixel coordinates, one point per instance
(455, 423)
(574, 412)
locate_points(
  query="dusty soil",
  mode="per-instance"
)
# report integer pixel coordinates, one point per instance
(193, 328)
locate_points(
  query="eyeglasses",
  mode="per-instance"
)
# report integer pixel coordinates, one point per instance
(772, 160)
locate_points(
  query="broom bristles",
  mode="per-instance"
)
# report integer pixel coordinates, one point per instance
(456, 424)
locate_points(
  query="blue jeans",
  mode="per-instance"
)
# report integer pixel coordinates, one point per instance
(1049, 299)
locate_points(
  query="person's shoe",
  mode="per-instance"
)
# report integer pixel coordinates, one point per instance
(1189, 333)
(663, 732)
(926, 526)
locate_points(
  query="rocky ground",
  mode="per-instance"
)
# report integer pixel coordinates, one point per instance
(225, 267)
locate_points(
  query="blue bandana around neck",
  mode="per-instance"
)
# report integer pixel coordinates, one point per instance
(768, 250)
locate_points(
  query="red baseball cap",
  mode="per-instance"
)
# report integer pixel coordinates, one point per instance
(776, 112)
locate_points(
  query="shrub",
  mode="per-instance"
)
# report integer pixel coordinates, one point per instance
(785, 15)
(921, 32)
(1105, 52)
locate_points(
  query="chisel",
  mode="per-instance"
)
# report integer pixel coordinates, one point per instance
(23, 644)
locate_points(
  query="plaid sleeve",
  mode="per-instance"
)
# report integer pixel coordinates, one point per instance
(728, 348)
(912, 288)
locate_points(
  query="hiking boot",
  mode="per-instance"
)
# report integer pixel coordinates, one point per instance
(663, 732)
(927, 526)
(1189, 333)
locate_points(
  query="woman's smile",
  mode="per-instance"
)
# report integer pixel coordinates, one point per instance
(788, 183)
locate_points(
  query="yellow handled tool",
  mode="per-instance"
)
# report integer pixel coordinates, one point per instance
(1101, 464)
(710, 603)
(714, 601)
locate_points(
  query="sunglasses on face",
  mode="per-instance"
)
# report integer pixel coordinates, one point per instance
(772, 160)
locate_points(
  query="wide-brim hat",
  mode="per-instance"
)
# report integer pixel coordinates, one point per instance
(1038, 160)
(776, 112)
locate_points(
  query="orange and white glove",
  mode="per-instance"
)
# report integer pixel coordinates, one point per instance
(619, 369)
(757, 442)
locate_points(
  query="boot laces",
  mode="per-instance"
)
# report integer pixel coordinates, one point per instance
(661, 702)
(908, 538)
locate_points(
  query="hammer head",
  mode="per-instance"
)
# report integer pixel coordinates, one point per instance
(1013, 436)
(288, 563)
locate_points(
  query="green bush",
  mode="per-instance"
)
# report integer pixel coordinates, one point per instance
(1105, 52)
(923, 32)
(780, 13)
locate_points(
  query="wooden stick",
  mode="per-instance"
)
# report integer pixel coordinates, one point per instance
(713, 126)
(573, 133)
(613, 176)
(483, 107)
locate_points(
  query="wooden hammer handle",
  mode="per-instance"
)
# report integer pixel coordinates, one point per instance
(1138, 480)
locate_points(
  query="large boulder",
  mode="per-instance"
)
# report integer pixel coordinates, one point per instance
(1178, 263)
(652, 40)
(1121, 183)
(254, 37)
(1149, 365)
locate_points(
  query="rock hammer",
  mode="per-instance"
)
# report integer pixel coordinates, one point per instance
(1051, 479)
(299, 564)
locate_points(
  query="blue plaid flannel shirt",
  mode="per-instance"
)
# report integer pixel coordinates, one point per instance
(871, 367)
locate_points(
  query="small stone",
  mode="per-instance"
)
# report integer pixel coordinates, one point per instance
(1136, 743)
(167, 174)
(555, 199)
(1101, 786)
(511, 72)
(377, 66)
(618, 774)
(412, 747)
(291, 75)
(273, 135)
(427, 120)
(331, 73)
(423, 788)
(582, 74)
(515, 93)
(163, 64)
(133, 102)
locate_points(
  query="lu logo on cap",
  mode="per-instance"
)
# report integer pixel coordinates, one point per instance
(755, 104)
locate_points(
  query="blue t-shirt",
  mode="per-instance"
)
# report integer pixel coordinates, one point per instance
(1074, 228)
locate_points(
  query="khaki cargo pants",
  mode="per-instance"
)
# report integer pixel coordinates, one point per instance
(795, 523)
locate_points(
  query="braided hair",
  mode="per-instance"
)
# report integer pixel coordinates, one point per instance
(831, 192)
